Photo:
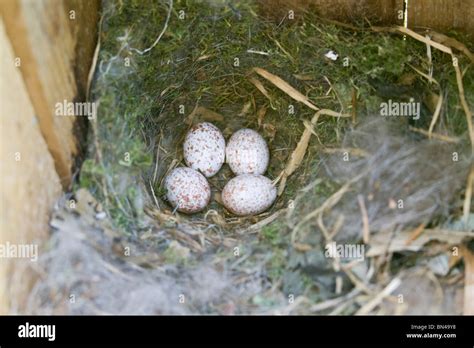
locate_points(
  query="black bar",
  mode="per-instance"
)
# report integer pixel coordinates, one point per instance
(288, 330)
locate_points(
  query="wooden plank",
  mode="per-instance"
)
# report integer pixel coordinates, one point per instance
(376, 11)
(29, 184)
(442, 15)
(55, 41)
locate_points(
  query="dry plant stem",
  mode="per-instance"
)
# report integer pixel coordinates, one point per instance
(257, 83)
(330, 202)
(285, 87)
(354, 105)
(335, 93)
(416, 233)
(157, 159)
(337, 226)
(95, 58)
(462, 97)
(448, 50)
(258, 52)
(298, 153)
(398, 242)
(295, 159)
(168, 15)
(321, 306)
(450, 42)
(356, 281)
(369, 306)
(284, 51)
(337, 266)
(154, 196)
(268, 220)
(468, 281)
(339, 309)
(352, 150)
(437, 111)
(318, 214)
(406, 31)
(365, 219)
(437, 136)
(468, 198)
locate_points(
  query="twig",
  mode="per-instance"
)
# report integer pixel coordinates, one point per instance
(441, 137)
(369, 306)
(437, 111)
(450, 42)
(462, 97)
(334, 301)
(416, 233)
(259, 225)
(95, 58)
(365, 219)
(414, 35)
(154, 196)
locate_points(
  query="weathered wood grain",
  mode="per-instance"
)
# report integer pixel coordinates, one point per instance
(55, 41)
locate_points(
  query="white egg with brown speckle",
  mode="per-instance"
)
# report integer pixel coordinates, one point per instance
(248, 194)
(204, 148)
(247, 152)
(187, 190)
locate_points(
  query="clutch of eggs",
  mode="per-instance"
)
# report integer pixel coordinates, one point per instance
(248, 194)
(247, 152)
(187, 190)
(205, 151)
(204, 148)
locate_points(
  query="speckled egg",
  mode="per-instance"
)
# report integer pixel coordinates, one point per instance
(248, 194)
(204, 148)
(187, 190)
(247, 152)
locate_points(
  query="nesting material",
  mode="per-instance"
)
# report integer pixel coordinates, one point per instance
(187, 190)
(87, 259)
(247, 152)
(403, 181)
(394, 181)
(204, 149)
(248, 194)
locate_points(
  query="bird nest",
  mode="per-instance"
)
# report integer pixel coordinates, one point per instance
(314, 90)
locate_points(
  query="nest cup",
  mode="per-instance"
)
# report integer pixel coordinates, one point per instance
(204, 70)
